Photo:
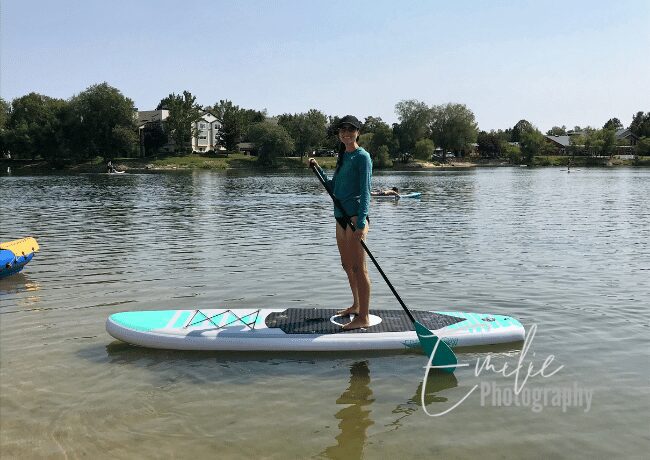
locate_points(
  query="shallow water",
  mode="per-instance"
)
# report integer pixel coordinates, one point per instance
(569, 253)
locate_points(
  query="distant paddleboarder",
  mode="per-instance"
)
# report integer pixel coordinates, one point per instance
(390, 192)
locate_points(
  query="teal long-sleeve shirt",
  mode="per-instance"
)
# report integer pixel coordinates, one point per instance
(351, 184)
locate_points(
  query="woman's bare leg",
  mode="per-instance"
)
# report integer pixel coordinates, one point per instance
(355, 253)
(347, 261)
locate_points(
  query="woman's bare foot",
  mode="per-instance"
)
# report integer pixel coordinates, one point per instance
(348, 311)
(357, 323)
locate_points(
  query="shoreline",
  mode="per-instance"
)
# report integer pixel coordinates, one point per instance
(245, 162)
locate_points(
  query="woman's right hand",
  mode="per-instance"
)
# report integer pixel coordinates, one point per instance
(313, 163)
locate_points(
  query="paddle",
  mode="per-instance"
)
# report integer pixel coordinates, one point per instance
(437, 350)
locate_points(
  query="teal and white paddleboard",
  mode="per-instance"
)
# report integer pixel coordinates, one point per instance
(303, 329)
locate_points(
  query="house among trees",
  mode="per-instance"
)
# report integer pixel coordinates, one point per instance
(155, 138)
(560, 143)
(626, 137)
(206, 134)
(625, 142)
(248, 148)
(151, 132)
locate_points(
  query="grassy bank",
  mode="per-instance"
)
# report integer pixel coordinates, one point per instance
(242, 161)
(232, 161)
(589, 161)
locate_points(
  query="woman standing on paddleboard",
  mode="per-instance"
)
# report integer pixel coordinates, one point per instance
(350, 184)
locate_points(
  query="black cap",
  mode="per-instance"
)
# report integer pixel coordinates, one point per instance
(350, 120)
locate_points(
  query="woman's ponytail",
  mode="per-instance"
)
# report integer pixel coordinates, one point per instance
(339, 158)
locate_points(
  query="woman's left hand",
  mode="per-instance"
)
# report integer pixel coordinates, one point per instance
(360, 233)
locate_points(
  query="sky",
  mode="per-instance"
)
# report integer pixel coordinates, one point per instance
(553, 63)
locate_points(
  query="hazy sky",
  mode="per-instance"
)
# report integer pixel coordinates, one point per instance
(550, 62)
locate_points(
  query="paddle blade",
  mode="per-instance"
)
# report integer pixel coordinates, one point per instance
(444, 355)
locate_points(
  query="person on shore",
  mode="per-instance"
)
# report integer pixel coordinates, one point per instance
(390, 192)
(350, 184)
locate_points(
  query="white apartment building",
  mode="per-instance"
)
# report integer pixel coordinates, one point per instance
(205, 130)
(206, 134)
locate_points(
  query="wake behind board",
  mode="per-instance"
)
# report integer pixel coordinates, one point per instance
(303, 329)
(397, 197)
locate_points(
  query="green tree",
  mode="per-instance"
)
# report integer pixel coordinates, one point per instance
(382, 134)
(308, 130)
(532, 143)
(235, 122)
(271, 140)
(96, 122)
(557, 131)
(453, 127)
(34, 127)
(5, 112)
(424, 148)
(414, 119)
(640, 125)
(512, 153)
(228, 115)
(643, 146)
(365, 141)
(577, 145)
(153, 137)
(124, 139)
(600, 142)
(489, 144)
(382, 158)
(183, 112)
(608, 137)
(249, 117)
(613, 124)
(519, 129)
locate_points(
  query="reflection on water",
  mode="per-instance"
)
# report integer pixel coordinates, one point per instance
(354, 419)
(437, 382)
(23, 284)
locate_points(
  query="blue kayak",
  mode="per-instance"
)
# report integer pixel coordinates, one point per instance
(14, 255)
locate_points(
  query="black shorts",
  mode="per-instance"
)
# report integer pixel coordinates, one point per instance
(343, 222)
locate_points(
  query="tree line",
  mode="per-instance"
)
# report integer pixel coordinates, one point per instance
(524, 141)
(101, 122)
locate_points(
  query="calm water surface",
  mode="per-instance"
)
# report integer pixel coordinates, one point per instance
(569, 253)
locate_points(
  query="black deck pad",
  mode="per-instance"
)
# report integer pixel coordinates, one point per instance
(317, 321)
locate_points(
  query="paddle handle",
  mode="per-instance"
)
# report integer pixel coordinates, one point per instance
(338, 204)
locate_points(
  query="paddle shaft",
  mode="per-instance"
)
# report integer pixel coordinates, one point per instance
(338, 204)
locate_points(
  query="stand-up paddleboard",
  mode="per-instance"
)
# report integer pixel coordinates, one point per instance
(303, 329)
(397, 197)
(14, 255)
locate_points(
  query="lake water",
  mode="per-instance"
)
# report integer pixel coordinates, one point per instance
(569, 253)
